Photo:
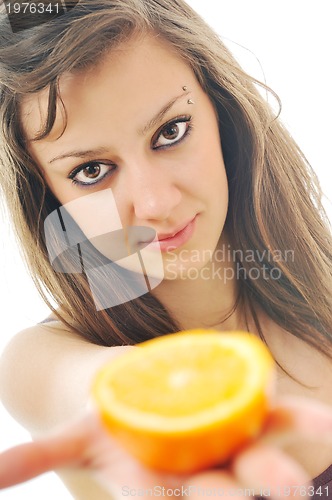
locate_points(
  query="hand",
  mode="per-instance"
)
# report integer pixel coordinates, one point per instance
(85, 444)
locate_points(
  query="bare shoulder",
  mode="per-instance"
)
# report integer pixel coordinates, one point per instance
(46, 373)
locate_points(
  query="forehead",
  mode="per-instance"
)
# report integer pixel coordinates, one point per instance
(140, 71)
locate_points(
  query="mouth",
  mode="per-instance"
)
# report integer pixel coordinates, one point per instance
(172, 234)
(177, 237)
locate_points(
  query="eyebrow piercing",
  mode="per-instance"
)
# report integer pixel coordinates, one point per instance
(190, 101)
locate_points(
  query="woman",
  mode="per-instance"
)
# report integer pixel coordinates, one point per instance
(138, 107)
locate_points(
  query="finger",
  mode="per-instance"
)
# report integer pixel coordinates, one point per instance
(61, 449)
(297, 417)
(29, 460)
(270, 472)
(214, 484)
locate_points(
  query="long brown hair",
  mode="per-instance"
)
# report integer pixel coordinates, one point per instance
(275, 200)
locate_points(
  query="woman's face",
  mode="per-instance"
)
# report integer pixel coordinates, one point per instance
(141, 148)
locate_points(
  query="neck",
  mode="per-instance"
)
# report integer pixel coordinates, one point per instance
(208, 301)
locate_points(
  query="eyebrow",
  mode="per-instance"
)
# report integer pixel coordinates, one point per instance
(160, 115)
(89, 153)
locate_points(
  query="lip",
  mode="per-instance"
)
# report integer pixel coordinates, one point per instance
(164, 236)
(172, 240)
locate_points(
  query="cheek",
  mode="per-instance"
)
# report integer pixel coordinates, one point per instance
(207, 168)
(61, 190)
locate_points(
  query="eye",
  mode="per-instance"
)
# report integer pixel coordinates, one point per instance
(90, 173)
(172, 133)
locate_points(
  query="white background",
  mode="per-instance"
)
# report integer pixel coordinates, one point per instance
(287, 43)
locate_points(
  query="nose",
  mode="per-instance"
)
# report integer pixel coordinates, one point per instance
(154, 194)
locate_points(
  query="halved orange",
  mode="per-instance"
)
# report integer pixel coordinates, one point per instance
(187, 401)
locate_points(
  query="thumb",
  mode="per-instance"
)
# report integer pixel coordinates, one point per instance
(297, 417)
